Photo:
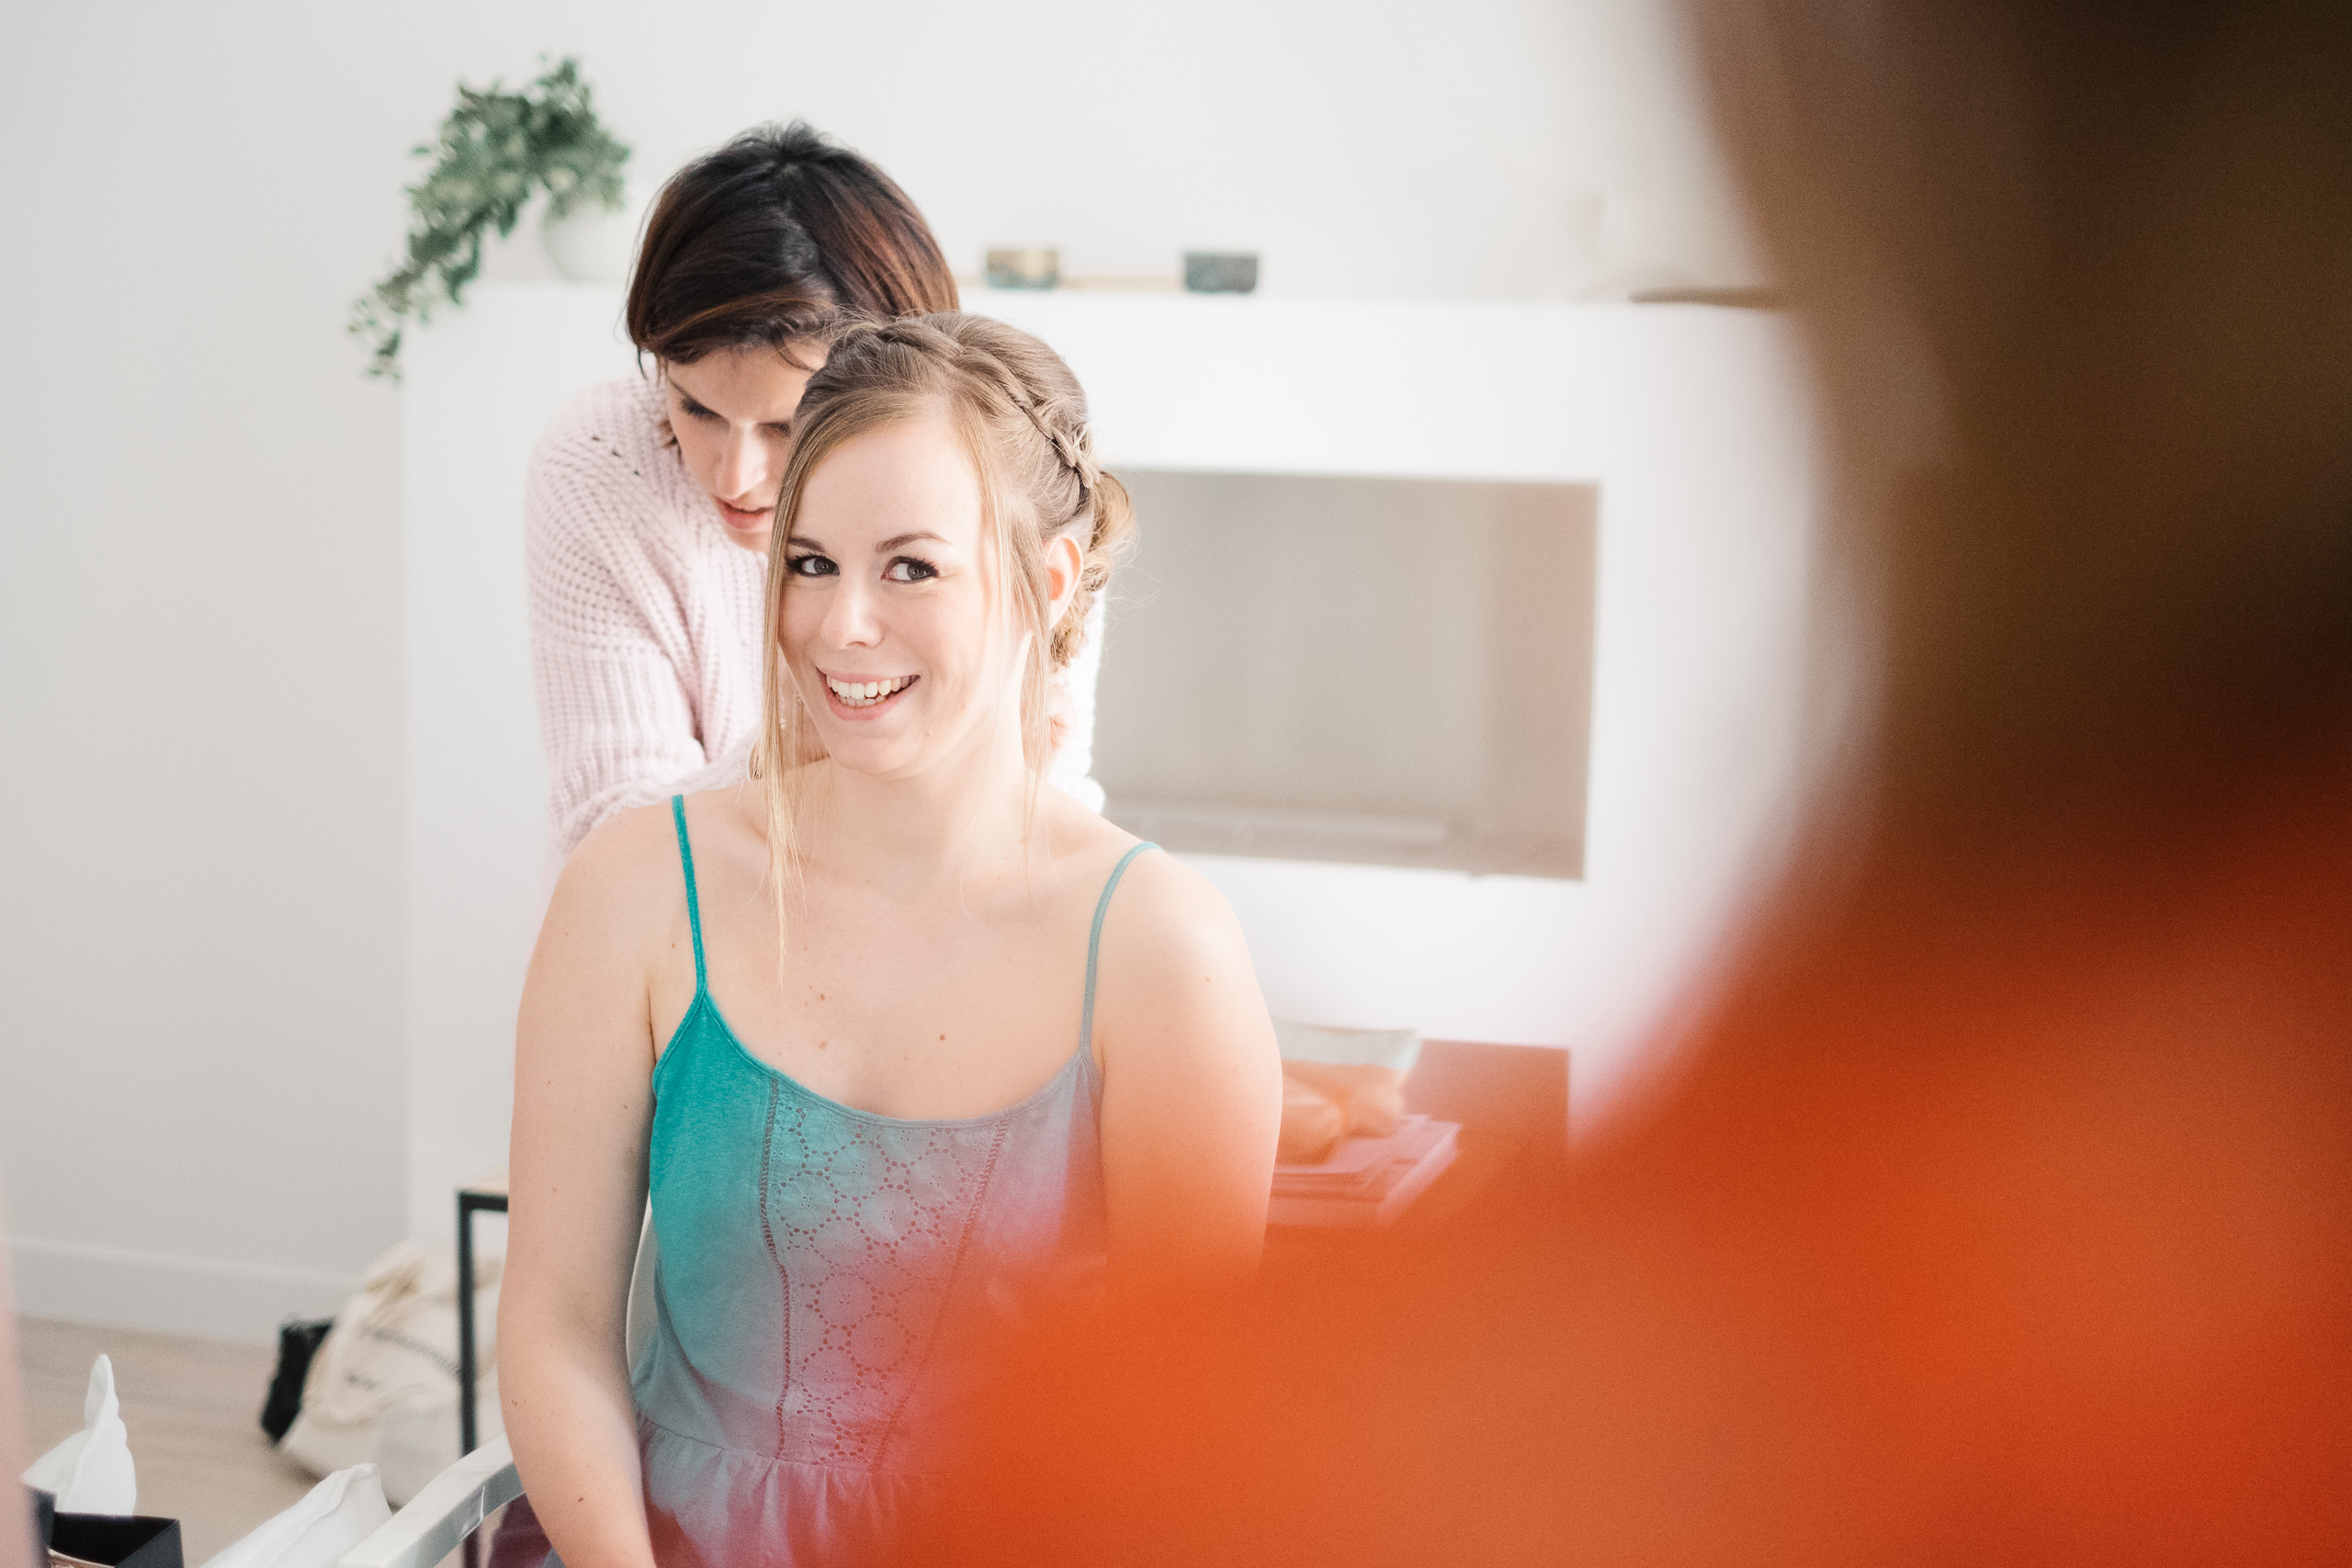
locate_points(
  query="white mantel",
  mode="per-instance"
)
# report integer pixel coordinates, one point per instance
(1691, 423)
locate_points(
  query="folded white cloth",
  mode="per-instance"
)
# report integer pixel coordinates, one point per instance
(333, 1517)
(1398, 1048)
(91, 1472)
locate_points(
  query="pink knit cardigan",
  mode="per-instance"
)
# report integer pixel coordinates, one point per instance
(646, 621)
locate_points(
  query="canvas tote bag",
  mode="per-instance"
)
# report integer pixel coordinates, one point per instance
(384, 1388)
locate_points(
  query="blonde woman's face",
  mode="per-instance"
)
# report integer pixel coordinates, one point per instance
(890, 627)
(731, 412)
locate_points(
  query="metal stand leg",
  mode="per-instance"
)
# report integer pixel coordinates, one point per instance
(466, 1406)
(465, 1411)
(469, 1203)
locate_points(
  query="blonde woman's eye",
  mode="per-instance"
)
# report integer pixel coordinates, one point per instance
(906, 569)
(813, 565)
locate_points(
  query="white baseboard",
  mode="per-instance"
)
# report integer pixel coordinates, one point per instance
(239, 1301)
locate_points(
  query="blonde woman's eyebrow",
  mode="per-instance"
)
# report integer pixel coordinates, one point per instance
(900, 541)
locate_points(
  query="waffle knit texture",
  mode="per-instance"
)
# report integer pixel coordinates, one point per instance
(646, 621)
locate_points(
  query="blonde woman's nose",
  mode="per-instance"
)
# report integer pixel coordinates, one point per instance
(850, 620)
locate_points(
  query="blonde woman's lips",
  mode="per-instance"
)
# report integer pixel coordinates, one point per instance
(863, 694)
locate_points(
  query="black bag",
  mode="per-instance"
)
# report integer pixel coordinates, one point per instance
(113, 1540)
(298, 1342)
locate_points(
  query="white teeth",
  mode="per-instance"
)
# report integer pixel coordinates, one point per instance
(863, 694)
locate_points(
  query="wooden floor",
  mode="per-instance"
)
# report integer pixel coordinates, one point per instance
(193, 1409)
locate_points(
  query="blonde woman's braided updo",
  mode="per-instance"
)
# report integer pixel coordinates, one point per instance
(1023, 419)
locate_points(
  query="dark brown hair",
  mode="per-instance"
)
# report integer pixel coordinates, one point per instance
(771, 239)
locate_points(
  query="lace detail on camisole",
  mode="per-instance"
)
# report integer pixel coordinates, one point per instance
(865, 1248)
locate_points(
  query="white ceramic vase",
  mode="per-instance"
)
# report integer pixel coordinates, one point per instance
(592, 244)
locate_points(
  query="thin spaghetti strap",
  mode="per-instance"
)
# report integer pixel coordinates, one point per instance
(694, 905)
(1094, 941)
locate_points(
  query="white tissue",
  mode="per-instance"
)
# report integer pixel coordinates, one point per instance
(333, 1517)
(91, 1472)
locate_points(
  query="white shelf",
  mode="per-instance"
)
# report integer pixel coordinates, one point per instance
(1212, 828)
(1247, 384)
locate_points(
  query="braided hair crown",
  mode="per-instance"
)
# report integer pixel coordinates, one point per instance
(1074, 447)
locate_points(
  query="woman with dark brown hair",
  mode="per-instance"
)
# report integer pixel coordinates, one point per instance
(649, 500)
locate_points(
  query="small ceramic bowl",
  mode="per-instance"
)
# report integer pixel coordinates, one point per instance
(1033, 266)
(1220, 272)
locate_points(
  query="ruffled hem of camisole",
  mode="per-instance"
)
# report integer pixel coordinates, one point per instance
(712, 1507)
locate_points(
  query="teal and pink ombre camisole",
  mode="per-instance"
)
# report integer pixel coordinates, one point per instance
(830, 1281)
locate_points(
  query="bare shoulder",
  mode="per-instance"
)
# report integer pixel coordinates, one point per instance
(1192, 1075)
(1164, 919)
(734, 815)
(586, 999)
(1172, 947)
(1163, 904)
(616, 879)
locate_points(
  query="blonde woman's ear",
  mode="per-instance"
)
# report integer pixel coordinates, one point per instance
(1064, 560)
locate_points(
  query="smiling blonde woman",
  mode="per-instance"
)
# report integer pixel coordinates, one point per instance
(904, 1046)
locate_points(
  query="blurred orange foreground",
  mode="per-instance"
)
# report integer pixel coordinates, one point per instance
(2000, 1208)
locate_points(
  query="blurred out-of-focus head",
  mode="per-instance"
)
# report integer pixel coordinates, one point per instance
(1999, 1206)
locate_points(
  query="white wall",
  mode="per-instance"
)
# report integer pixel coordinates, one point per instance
(204, 1095)
(478, 860)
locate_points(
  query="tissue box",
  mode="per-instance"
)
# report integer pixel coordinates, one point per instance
(106, 1540)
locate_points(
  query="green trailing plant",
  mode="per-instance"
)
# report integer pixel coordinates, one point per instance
(495, 150)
